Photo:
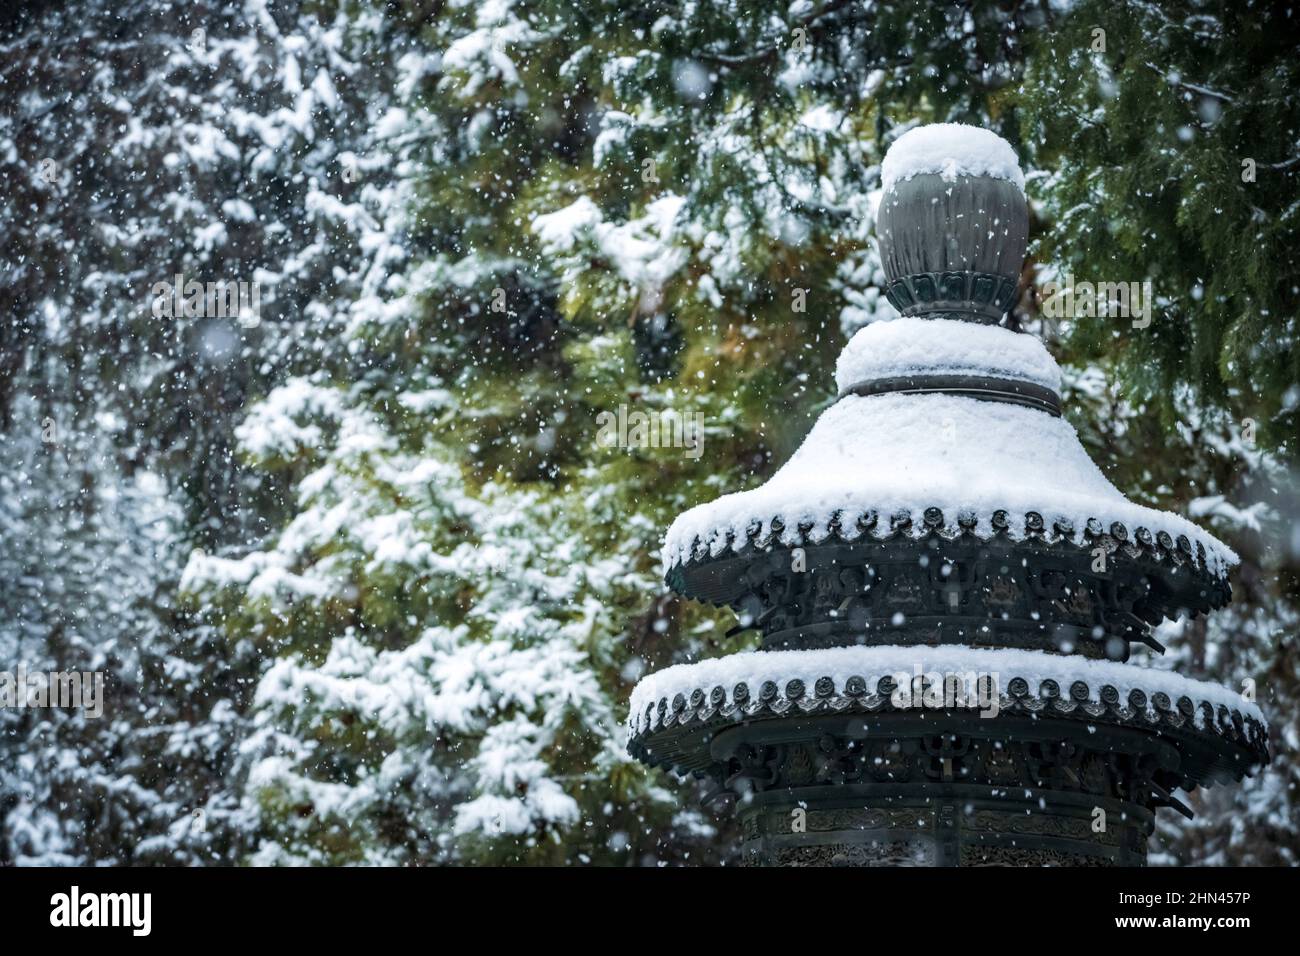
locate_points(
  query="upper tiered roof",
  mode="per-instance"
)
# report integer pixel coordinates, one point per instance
(947, 423)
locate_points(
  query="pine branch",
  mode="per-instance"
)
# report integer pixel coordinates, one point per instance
(810, 22)
(1228, 97)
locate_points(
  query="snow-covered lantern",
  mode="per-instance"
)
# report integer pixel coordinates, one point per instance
(947, 589)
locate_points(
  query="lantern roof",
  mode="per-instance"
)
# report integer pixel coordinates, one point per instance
(1223, 737)
(946, 423)
(893, 461)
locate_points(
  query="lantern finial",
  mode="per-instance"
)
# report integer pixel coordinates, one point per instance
(953, 223)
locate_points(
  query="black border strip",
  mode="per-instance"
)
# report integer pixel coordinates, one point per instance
(981, 387)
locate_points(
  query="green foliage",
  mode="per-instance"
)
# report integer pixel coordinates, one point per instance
(1173, 157)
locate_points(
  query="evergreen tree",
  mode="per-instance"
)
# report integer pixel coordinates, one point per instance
(1171, 135)
(222, 142)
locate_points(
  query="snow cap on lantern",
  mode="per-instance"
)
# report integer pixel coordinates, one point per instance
(953, 223)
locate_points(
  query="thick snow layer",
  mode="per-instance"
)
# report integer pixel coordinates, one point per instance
(894, 451)
(950, 150)
(873, 663)
(912, 346)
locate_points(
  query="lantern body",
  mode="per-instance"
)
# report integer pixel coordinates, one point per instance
(948, 590)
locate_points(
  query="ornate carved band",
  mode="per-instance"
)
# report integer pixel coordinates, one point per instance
(980, 296)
